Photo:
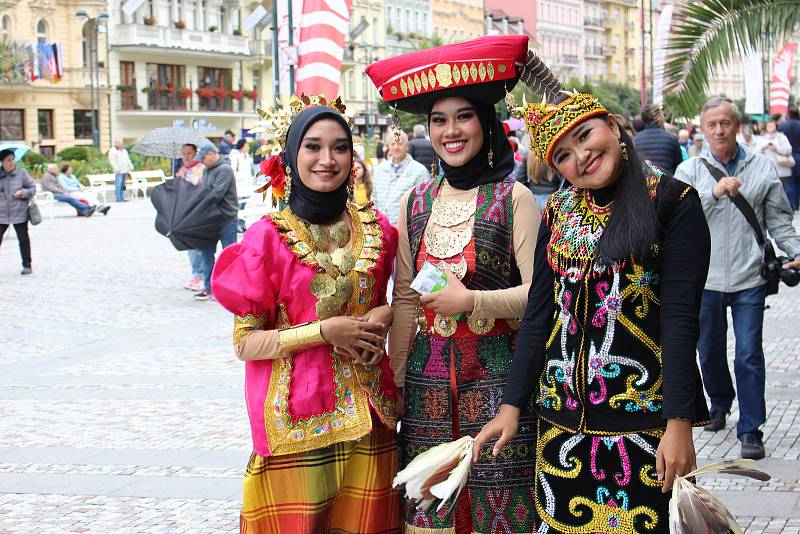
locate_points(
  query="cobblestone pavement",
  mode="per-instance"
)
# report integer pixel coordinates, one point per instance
(120, 399)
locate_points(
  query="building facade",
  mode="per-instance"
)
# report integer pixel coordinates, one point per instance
(559, 32)
(186, 63)
(622, 46)
(515, 10)
(45, 95)
(456, 21)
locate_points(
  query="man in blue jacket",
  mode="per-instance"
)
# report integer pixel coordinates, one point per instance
(791, 129)
(655, 144)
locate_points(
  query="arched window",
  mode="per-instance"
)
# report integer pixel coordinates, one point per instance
(6, 27)
(41, 32)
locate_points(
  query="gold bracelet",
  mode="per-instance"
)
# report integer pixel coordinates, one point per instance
(301, 337)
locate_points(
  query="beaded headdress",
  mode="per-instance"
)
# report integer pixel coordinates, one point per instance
(276, 122)
(547, 122)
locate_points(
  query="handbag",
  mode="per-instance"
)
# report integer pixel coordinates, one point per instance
(34, 215)
(773, 282)
(784, 161)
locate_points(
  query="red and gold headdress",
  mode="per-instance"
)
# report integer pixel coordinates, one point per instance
(276, 122)
(547, 123)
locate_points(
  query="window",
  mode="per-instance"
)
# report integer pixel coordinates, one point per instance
(350, 85)
(6, 27)
(82, 125)
(86, 44)
(12, 125)
(41, 32)
(164, 82)
(213, 79)
(45, 119)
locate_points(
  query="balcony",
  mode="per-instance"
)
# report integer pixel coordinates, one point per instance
(161, 37)
(593, 51)
(567, 61)
(180, 101)
(592, 22)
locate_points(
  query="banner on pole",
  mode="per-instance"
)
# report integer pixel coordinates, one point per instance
(753, 83)
(323, 28)
(781, 79)
(662, 34)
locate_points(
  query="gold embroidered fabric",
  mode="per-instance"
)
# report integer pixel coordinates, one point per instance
(244, 324)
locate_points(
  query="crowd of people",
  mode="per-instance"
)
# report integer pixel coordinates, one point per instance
(587, 260)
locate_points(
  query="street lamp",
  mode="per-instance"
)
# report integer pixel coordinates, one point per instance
(94, 72)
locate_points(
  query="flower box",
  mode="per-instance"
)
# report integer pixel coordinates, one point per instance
(149, 21)
(180, 24)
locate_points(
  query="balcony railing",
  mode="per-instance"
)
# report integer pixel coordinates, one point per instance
(164, 37)
(592, 22)
(165, 100)
(127, 98)
(595, 51)
(177, 100)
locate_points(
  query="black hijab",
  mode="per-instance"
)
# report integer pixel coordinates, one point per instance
(313, 206)
(477, 170)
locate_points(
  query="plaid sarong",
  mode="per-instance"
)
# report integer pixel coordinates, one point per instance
(344, 488)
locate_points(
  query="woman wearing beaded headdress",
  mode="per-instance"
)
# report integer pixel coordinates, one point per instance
(451, 349)
(608, 339)
(307, 287)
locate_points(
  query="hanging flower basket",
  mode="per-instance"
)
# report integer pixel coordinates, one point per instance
(205, 92)
(252, 94)
(221, 92)
(149, 21)
(185, 93)
(237, 95)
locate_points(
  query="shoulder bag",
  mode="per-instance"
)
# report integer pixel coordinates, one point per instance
(34, 215)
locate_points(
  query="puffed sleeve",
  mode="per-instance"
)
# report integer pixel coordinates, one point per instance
(242, 284)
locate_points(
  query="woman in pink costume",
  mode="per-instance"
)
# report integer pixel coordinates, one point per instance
(307, 286)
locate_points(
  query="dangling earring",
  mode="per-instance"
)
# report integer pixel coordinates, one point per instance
(287, 189)
(396, 125)
(623, 149)
(491, 152)
(434, 169)
(511, 102)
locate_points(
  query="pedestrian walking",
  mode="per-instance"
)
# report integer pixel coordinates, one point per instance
(16, 191)
(307, 286)
(451, 350)
(791, 129)
(607, 343)
(734, 276)
(191, 170)
(776, 147)
(121, 166)
(227, 143)
(655, 144)
(219, 183)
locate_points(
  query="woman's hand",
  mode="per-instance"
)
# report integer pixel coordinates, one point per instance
(504, 424)
(382, 315)
(353, 335)
(453, 299)
(18, 194)
(675, 454)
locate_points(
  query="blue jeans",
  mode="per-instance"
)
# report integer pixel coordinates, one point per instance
(196, 261)
(227, 235)
(119, 186)
(747, 309)
(792, 186)
(79, 206)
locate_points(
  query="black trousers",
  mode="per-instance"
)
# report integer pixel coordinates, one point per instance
(24, 241)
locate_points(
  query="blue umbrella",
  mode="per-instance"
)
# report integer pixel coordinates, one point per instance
(18, 148)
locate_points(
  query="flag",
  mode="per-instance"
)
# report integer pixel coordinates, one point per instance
(323, 28)
(662, 34)
(753, 82)
(781, 79)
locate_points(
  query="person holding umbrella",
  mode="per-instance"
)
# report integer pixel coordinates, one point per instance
(16, 190)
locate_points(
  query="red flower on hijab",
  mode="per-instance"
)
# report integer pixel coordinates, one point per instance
(274, 169)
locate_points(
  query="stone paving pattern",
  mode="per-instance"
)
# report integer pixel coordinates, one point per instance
(121, 403)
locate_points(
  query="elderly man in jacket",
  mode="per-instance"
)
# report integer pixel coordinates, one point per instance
(734, 275)
(219, 182)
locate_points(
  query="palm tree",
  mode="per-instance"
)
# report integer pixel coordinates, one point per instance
(707, 34)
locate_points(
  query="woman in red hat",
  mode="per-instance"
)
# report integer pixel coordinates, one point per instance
(451, 350)
(609, 334)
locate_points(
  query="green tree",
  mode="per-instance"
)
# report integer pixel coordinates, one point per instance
(707, 34)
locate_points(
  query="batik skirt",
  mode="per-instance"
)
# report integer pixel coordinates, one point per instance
(453, 387)
(589, 484)
(345, 488)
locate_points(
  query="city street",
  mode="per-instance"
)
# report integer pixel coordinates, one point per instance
(121, 404)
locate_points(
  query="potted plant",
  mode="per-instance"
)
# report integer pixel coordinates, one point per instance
(185, 93)
(180, 24)
(147, 89)
(237, 31)
(150, 20)
(252, 94)
(237, 94)
(212, 28)
(123, 87)
(221, 92)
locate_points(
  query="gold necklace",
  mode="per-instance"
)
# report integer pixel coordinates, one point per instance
(332, 287)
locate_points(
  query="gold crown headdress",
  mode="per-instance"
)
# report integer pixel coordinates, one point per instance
(276, 122)
(547, 123)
